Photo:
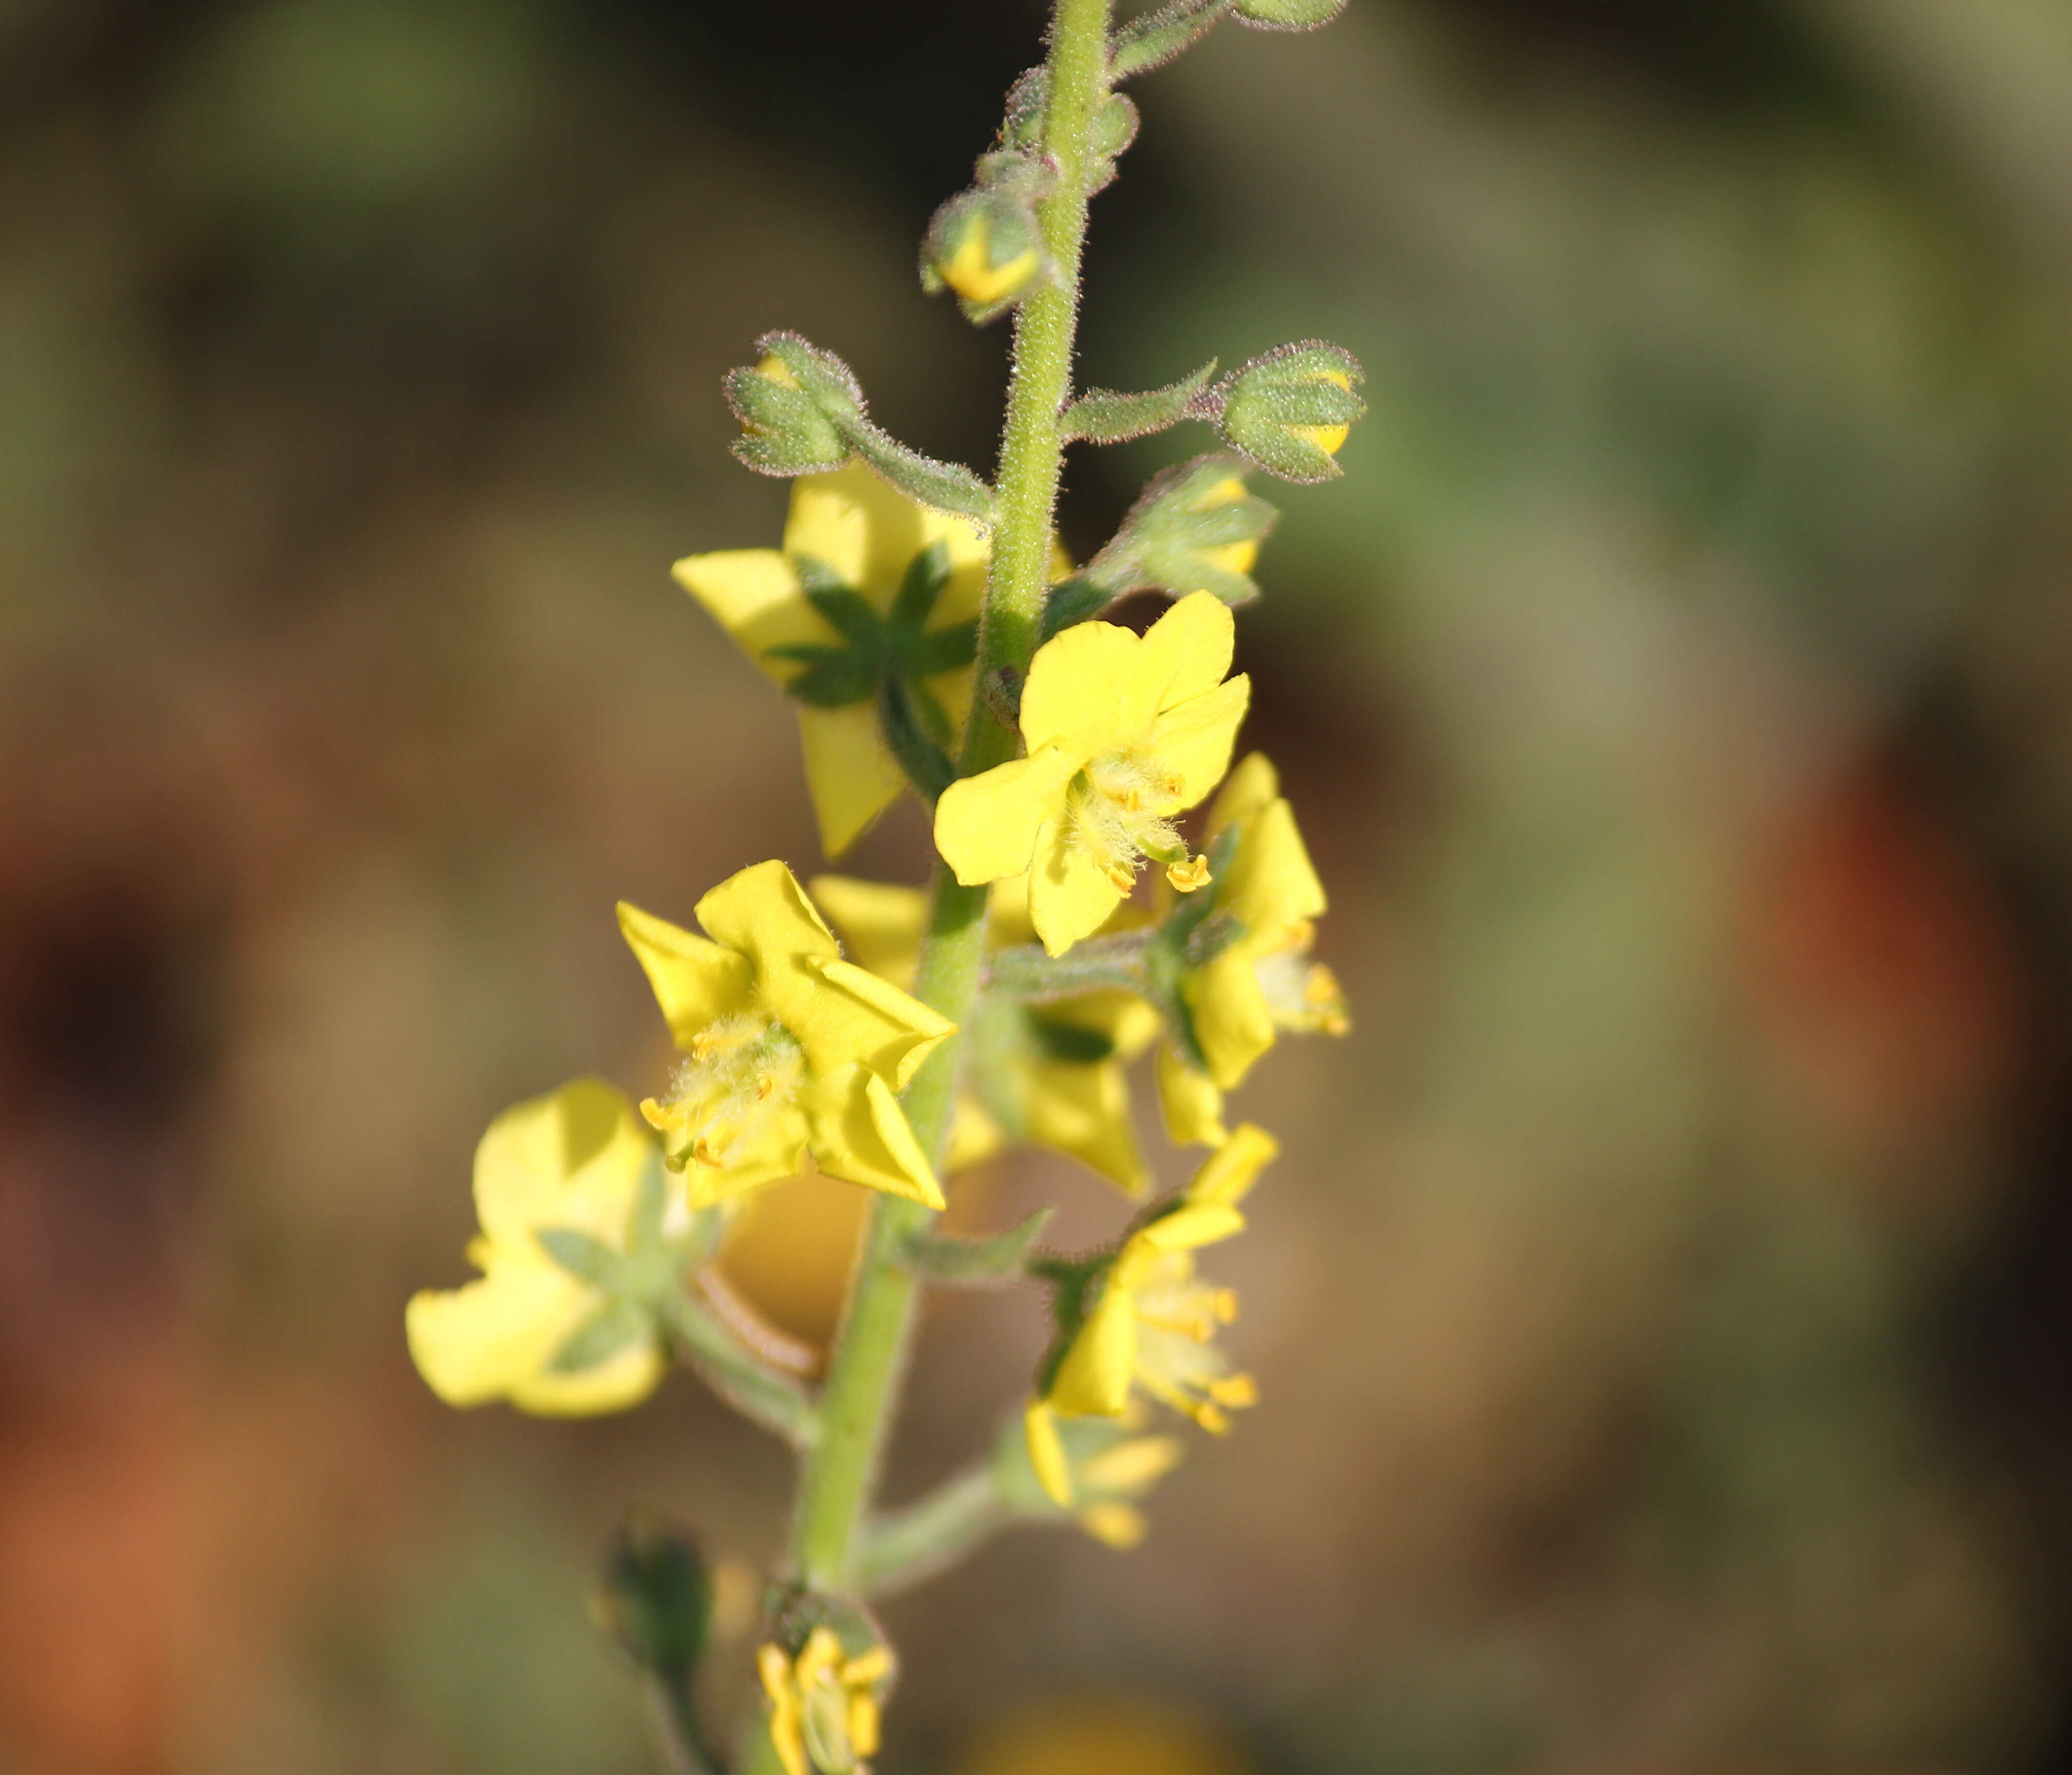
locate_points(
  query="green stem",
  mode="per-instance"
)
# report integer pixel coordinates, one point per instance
(905, 1545)
(856, 1408)
(1026, 973)
(738, 1375)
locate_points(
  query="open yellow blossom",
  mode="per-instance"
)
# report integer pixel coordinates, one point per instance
(824, 1704)
(1147, 1321)
(1123, 733)
(1053, 1074)
(525, 1330)
(848, 529)
(1262, 982)
(791, 1048)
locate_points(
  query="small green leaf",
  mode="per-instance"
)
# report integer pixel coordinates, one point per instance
(1103, 416)
(600, 1337)
(976, 1263)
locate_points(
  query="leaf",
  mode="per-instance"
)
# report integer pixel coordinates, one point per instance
(600, 1337)
(947, 487)
(945, 1258)
(1103, 416)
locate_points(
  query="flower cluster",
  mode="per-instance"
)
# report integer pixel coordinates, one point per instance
(1110, 883)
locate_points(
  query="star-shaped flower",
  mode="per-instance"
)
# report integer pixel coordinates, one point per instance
(1260, 981)
(577, 1164)
(792, 1050)
(1138, 1317)
(870, 592)
(1123, 733)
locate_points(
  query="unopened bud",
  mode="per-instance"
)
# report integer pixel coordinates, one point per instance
(1290, 411)
(656, 1600)
(797, 405)
(985, 246)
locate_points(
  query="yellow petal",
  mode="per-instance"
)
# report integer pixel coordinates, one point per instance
(772, 1152)
(753, 594)
(476, 1343)
(573, 1157)
(1249, 787)
(975, 1136)
(1196, 1224)
(1133, 1467)
(1183, 654)
(1047, 1452)
(880, 925)
(987, 826)
(1073, 695)
(763, 912)
(1093, 1380)
(1232, 1021)
(861, 1134)
(1191, 1104)
(856, 1016)
(1193, 739)
(1229, 1171)
(849, 774)
(695, 981)
(1271, 884)
(869, 533)
(624, 1380)
(1118, 1525)
(1070, 895)
(1083, 1110)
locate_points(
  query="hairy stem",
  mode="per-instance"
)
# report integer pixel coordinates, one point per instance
(906, 1545)
(856, 1410)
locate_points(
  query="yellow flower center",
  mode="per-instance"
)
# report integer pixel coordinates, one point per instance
(743, 1072)
(1121, 807)
(1177, 1316)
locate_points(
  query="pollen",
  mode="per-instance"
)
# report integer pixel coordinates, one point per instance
(742, 1070)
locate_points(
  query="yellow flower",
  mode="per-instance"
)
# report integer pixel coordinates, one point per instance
(1124, 732)
(1262, 982)
(846, 529)
(824, 1704)
(1053, 1074)
(791, 1049)
(574, 1159)
(1145, 1320)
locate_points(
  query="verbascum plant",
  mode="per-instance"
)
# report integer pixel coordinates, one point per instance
(1107, 883)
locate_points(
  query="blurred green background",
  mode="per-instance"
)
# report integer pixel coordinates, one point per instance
(1661, 1307)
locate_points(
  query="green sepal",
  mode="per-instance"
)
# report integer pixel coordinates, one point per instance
(915, 731)
(1075, 1044)
(1286, 15)
(1267, 403)
(1072, 600)
(606, 1332)
(1155, 37)
(1102, 416)
(952, 1262)
(586, 1257)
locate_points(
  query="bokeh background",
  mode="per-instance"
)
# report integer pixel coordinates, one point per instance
(1661, 1307)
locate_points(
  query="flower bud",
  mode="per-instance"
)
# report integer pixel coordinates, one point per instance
(797, 407)
(656, 1600)
(1290, 410)
(1194, 529)
(985, 246)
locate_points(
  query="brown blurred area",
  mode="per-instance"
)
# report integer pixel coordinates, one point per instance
(1660, 1307)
